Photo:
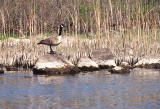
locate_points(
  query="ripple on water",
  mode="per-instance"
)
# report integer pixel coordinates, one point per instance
(93, 90)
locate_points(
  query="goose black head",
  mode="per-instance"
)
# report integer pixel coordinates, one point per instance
(61, 25)
(60, 30)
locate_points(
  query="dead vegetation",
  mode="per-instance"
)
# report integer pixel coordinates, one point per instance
(129, 28)
(24, 52)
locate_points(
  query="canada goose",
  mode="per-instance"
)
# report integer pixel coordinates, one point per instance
(54, 40)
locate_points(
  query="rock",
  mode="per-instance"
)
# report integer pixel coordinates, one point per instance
(148, 63)
(102, 54)
(86, 64)
(11, 68)
(51, 64)
(107, 63)
(1, 71)
(119, 70)
(103, 57)
(14, 68)
(126, 65)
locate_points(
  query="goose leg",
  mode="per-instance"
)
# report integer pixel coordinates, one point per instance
(51, 50)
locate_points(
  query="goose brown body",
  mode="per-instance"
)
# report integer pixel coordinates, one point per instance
(53, 41)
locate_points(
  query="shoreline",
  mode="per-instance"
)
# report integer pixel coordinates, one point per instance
(89, 67)
(85, 54)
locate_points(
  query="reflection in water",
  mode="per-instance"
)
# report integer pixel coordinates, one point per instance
(146, 73)
(95, 90)
(51, 79)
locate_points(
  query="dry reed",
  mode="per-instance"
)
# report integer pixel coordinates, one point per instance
(32, 17)
(24, 52)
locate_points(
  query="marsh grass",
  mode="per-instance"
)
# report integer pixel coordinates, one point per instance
(127, 47)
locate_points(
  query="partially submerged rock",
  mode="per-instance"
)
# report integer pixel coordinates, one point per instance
(99, 59)
(148, 63)
(1, 71)
(125, 65)
(119, 70)
(86, 64)
(12, 68)
(107, 63)
(54, 64)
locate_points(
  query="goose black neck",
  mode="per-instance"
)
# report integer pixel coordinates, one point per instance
(60, 30)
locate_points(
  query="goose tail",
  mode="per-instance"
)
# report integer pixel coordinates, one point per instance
(41, 42)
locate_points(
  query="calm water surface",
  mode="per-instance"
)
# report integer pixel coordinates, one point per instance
(95, 90)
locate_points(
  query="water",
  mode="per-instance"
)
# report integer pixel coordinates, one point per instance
(94, 90)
